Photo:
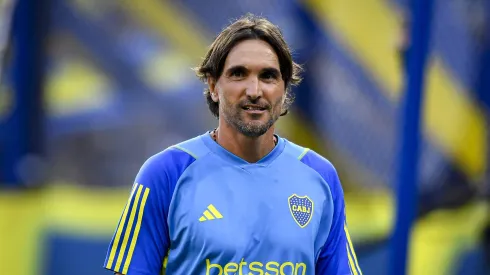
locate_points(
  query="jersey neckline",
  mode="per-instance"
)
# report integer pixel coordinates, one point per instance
(229, 156)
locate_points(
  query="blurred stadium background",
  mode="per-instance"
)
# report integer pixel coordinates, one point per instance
(90, 89)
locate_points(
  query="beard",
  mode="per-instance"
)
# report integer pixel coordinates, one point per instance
(235, 116)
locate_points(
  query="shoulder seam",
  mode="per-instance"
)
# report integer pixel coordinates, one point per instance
(176, 188)
(327, 183)
(318, 173)
(327, 180)
(184, 150)
(303, 154)
(304, 150)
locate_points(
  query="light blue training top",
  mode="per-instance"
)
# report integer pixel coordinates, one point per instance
(196, 208)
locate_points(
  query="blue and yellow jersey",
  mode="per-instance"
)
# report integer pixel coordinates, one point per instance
(196, 208)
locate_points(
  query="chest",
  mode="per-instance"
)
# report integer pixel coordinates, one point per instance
(250, 211)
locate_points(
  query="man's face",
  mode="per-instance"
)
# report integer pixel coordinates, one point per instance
(250, 90)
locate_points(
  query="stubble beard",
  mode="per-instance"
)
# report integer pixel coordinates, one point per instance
(234, 116)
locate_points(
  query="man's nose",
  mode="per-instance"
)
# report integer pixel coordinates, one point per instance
(253, 89)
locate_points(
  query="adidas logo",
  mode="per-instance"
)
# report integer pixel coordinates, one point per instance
(210, 214)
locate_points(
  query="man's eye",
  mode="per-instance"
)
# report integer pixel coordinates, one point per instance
(236, 73)
(269, 75)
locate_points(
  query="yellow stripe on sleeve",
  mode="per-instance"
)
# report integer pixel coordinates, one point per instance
(128, 230)
(165, 260)
(351, 263)
(119, 229)
(351, 249)
(136, 231)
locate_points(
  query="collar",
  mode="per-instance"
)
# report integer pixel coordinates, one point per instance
(232, 158)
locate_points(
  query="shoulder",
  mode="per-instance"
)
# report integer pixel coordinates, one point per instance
(169, 164)
(310, 158)
(316, 162)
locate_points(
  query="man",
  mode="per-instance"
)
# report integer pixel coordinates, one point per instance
(239, 199)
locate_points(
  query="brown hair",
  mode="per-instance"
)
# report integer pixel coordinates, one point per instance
(245, 28)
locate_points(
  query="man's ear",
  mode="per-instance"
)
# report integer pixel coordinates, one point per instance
(212, 89)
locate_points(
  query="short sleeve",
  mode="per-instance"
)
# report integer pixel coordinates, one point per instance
(338, 256)
(141, 240)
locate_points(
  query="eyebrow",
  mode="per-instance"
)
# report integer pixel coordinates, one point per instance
(236, 67)
(267, 69)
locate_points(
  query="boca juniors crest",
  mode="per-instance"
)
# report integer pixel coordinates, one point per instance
(301, 209)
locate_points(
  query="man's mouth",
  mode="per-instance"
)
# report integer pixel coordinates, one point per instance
(254, 108)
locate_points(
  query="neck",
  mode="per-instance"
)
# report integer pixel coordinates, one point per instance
(251, 149)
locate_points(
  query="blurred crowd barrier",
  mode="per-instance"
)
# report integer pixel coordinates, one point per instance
(118, 87)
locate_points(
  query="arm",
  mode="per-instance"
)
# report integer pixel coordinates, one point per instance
(140, 241)
(338, 256)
